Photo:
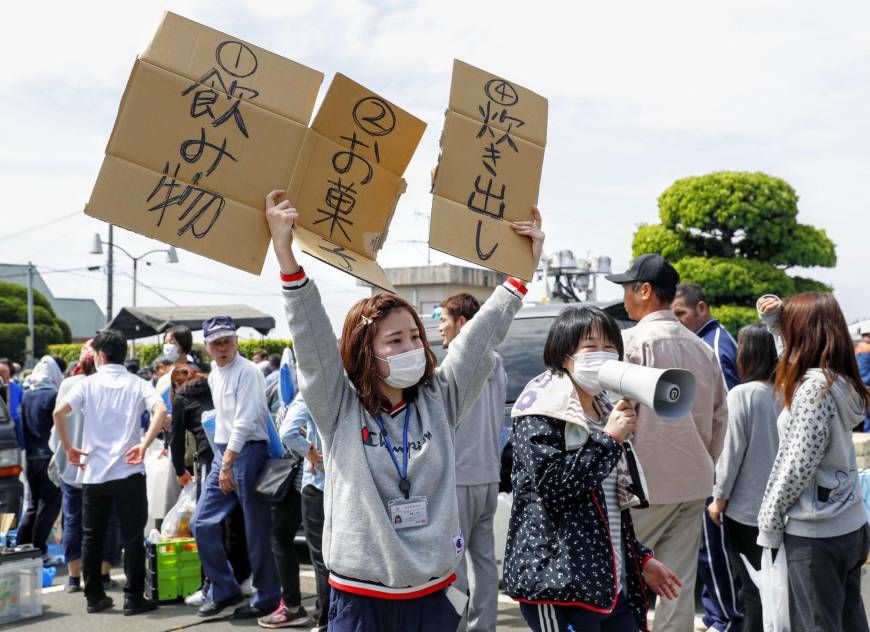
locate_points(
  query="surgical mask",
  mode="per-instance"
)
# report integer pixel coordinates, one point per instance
(406, 369)
(586, 367)
(171, 352)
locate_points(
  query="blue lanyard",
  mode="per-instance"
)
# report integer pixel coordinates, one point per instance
(404, 483)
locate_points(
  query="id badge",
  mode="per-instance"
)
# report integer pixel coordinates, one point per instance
(410, 512)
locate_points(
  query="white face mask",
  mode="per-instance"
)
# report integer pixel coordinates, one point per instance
(586, 367)
(171, 352)
(406, 369)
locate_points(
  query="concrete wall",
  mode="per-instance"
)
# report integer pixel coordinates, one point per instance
(426, 286)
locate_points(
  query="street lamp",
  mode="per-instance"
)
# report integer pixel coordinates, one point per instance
(97, 249)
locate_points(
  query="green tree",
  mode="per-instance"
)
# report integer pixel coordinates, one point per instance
(735, 234)
(48, 327)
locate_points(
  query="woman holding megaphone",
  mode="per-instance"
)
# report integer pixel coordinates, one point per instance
(572, 559)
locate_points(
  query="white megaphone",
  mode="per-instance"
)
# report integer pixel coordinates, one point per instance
(669, 392)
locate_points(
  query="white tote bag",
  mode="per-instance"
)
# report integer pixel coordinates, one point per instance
(772, 583)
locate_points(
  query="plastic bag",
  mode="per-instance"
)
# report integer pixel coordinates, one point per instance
(772, 583)
(161, 484)
(176, 524)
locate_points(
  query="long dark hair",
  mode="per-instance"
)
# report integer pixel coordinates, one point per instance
(815, 335)
(756, 354)
(357, 352)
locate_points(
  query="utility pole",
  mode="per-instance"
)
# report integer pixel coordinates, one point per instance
(110, 271)
(30, 341)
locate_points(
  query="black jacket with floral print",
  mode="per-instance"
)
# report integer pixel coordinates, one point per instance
(559, 549)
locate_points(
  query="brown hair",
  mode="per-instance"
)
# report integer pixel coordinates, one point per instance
(815, 335)
(463, 304)
(357, 348)
(184, 374)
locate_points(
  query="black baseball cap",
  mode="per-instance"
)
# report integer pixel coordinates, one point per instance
(651, 268)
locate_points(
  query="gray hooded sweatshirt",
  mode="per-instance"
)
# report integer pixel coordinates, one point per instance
(360, 543)
(813, 490)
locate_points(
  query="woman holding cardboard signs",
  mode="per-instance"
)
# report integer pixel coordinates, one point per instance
(387, 417)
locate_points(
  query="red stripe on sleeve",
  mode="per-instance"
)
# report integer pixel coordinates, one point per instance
(518, 284)
(291, 278)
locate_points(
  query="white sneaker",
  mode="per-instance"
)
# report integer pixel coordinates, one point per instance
(196, 599)
(247, 587)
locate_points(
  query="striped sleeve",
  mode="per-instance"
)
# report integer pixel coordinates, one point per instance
(516, 286)
(294, 281)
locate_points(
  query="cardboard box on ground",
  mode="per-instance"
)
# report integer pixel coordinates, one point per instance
(209, 124)
(489, 171)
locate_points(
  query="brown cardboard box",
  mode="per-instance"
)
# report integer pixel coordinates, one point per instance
(489, 171)
(207, 126)
(347, 181)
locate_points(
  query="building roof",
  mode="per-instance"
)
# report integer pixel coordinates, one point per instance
(139, 322)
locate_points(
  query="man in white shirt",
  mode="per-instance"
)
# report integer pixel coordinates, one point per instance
(112, 402)
(238, 390)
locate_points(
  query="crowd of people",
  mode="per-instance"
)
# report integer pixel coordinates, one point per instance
(390, 463)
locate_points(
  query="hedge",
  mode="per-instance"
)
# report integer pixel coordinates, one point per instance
(146, 353)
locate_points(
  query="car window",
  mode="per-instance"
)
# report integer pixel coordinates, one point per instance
(522, 349)
(523, 353)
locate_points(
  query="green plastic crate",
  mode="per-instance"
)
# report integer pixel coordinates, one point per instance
(174, 569)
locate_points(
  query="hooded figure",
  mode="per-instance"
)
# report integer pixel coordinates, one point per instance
(37, 406)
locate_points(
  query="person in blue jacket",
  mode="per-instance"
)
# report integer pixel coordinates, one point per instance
(862, 354)
(721, 587)
(691, 308)
(37, 405)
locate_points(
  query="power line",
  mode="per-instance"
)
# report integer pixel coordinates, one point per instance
(38, 227)
(148, 287)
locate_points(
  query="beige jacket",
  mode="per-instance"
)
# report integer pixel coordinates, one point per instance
(678, 455)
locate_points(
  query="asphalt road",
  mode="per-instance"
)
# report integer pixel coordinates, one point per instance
(64, 612)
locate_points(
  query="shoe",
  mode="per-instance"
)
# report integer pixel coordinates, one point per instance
(100, 605)
(72, 586)
(138, 605)
(250, 611)
(211, 608)
(109, 583)
(196, 599)
(283, 618)
(247, 586)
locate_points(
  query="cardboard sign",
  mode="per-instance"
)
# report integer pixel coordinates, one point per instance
(348, 179)
(207, 126)
(489, 171)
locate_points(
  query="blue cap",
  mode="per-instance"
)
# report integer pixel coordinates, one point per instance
(218, 327)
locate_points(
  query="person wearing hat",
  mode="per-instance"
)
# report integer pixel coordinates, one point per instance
(678, 455)
(241, 438)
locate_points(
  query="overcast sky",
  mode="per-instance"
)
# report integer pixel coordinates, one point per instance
(640, 94)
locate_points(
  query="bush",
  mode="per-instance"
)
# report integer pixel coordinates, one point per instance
(67, 351)
(147, 353)
(734, 317)
(48, 328)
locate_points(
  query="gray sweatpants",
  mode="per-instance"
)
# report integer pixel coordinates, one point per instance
(477, 505)
(824, 581)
